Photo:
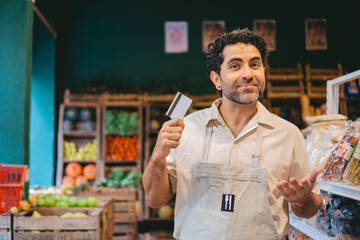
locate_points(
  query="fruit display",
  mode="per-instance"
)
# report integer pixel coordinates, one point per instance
(122, 148)
(77, 175)
(78, 119)
(90, 172)
(121, 122)
(88, 152)
(73, 170)
(122, 179)
(64, 201)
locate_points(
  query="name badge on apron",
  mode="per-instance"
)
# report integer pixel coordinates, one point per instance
(227, 203)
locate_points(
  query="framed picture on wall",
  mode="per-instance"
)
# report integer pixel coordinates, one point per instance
(211, 30)
(176, 37)
(315, 32)
(266, 28)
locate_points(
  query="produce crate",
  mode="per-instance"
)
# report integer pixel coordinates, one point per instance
(5, 226)
(12, 179)
(284, 82)
(125, 219)
(50, 227)
(106, 204)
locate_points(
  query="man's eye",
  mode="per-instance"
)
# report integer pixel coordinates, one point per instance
(256, 65)
(234, 66)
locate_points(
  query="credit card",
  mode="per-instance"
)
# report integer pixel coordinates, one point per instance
(179, 106)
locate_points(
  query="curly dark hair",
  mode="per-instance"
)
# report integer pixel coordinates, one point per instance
(214, 52)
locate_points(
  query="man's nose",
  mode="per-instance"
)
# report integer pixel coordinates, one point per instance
(247, 74)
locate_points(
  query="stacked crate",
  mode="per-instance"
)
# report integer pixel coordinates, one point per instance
(5, 226)
(51, 226)
(316, 80)
(284, 82)
(125, 210)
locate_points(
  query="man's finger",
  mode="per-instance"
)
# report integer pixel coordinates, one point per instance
(296, 185)
(288, 188)
(312, 176)
(175, 122)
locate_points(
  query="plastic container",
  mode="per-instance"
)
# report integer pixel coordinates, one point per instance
(11, 185)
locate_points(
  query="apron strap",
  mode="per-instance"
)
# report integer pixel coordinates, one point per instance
(257, 154)
(207, 141)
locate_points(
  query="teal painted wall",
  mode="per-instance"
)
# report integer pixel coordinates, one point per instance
(16, 18)
(123, 42)
(42, 117)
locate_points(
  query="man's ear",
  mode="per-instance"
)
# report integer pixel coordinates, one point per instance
(215, 78)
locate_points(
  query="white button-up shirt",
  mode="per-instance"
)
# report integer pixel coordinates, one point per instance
(283, 155)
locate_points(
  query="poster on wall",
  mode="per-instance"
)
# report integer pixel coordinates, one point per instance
(211, 30)
(315, 31)
(266, 28)
(176, 37)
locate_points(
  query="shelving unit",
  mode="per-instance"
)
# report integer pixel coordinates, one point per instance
(284, 89)
(130, 105)
(316, 81)
(122, 137)
(284, 82)
(344, 189)
(303, 226)
(79, 137)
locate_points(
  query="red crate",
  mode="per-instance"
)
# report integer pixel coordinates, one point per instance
(12, 173)
(10, 196)
(11, 185)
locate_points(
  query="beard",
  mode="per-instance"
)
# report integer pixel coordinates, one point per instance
(242, 96)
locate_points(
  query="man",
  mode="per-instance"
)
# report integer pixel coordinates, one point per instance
(235, 166)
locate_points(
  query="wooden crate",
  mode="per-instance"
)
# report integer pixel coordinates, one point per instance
(316, 80)
(5, 226)
(80, 137)
(84, 100)
(284, 82)
(85, 228)
(106, 204)
(124, 217)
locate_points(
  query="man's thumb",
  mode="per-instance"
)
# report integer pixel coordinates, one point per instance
(314, 174)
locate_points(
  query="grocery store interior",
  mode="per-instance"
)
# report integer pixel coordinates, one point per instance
(86, 86)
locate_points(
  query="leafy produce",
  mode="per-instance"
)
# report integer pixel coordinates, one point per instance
(122, 148)
(121, 179)
(121, 122)
(73, 169)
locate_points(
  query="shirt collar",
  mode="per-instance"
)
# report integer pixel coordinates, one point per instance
(263, 116)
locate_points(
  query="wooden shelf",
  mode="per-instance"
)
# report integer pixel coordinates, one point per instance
(80, 161)
(344, 189)
(120, 163)
(79, 137)
(78, 133)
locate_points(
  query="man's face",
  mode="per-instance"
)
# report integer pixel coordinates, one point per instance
(242, 76)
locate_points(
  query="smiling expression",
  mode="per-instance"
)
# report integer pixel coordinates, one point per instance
(242, 76)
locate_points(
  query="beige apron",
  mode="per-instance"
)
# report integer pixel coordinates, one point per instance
(229, 202)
